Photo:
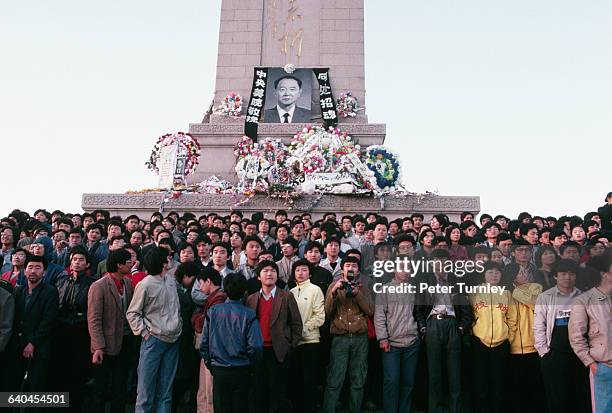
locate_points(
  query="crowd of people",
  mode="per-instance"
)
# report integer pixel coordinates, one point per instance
(228, 313)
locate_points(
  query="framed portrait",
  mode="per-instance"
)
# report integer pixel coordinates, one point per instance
(288, 96)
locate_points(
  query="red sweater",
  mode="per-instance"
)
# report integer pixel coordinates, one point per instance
(136, 278)
(264, 314)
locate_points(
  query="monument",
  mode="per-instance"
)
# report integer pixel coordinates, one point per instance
(324, 37)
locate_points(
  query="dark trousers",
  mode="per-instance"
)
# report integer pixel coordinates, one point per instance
(304, 365)
(4, 372)
(110, 379)
(325, 349)
(270, 386)
(71, 362)
(184, 392)
(399, 371)
(566, 382)
(37, 370)
(421, 387)
(38, 378)
(524, 374)
(185, 386)
(133, 367)
(488, 373)
(443, 342)
(374, 382)
(230, 389)
(347, 352)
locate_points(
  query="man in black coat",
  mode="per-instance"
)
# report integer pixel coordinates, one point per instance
(185, 383)
(36, 310)
(605, 213)
(71, 361)
(443, 319)
(7, 313)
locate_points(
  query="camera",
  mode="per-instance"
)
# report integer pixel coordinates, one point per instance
(350, 276)
(350, 284)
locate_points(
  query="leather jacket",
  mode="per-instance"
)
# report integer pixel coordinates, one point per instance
(73, 299)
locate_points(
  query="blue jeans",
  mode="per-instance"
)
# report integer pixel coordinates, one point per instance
(399, 370)
(156, 370)
(602, 388)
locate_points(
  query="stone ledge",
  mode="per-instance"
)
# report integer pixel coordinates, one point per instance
(235, 127)
(393, 207)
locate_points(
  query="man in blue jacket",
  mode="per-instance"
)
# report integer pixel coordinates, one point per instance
(231, 347)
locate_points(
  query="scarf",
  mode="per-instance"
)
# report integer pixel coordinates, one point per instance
(118, 283)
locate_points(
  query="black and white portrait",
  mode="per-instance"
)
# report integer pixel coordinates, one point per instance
(288, 96)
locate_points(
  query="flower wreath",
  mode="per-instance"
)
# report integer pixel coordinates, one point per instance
(187, 144)
(319, 150)
(231, 105)
(385, 165)
(330, 143)
(243, 147)
(252, 168)
(272, 150)
(313, 162)
(348, 105)
(214, 185)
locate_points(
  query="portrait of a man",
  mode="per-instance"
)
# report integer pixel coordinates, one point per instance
(288, 97)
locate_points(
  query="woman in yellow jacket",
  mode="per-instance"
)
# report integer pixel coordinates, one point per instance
(305, 360)
(494, 325)
(524, 374)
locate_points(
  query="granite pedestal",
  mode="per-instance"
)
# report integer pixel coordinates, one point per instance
(392, 207)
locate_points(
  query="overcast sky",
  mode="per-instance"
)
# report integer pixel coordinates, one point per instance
(510, 101)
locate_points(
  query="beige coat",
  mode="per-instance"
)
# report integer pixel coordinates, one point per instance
(155, 309)
(106, 315)
(590, 327)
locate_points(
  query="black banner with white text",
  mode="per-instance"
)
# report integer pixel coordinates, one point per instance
(256, 102)
(326, 97)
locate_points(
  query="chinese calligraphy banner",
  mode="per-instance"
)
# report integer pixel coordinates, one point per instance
(167, 166)
(326, 97)
(256, 103)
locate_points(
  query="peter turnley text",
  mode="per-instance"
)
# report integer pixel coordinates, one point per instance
(413, 267)
(461, 288)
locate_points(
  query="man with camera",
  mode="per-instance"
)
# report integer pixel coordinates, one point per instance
(348, 304)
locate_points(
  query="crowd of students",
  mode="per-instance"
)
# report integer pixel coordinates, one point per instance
(235, 314)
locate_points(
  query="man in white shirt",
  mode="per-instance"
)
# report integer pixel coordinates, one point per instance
(332, 262)
(289, 248)
(220, 255)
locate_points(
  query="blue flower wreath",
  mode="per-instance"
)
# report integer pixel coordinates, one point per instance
(384, 164)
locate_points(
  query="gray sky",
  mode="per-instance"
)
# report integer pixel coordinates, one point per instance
(507, 100)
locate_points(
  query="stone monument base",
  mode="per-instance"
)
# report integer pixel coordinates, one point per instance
(143, 205)
(217, 142)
